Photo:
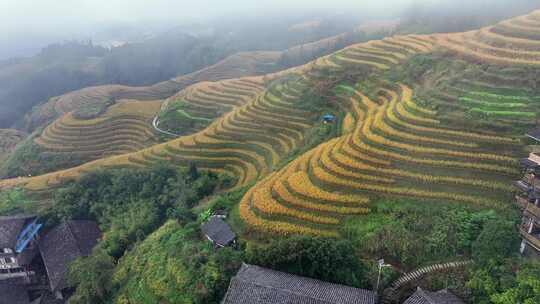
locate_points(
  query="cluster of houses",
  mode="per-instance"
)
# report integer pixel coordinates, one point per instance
(254, 284)
(34, 263)
(528, 200)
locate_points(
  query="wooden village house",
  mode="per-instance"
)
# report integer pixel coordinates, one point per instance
(528, 199)
(217, 231)
(28, 259)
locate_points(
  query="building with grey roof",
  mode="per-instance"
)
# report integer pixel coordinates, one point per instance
(13, 293)
(62, 245)
(528, 200)
(254, 284)
(18, 245)
(218, 231)
(427, 297)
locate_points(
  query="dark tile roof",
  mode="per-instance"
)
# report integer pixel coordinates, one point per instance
(427, 297)
(255, 284)
(218, 231)
(527, 163)
(64, 244)
(10, 227)
(12, 293)
(534, 134)
(522, 186)
(49, 298)
(533, 195)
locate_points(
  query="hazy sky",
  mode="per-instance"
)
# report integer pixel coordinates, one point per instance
(39, 15)
(27, 24)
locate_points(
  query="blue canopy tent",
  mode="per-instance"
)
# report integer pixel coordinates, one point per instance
(329, 118)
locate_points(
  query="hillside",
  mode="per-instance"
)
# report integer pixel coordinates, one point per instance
(238, 65)
(149, 56)
(403, 150)
(234, 66)
(9, 138)
(195, 107)
(421, 144)
(73, 123)
(398, 140)
(191, 109)
(129, 125)
(125, 127)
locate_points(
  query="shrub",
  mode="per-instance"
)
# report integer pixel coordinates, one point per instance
(319, 258)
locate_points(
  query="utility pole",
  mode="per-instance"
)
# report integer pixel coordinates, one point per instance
(381, 264)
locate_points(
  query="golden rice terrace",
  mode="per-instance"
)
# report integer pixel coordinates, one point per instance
(397, 138)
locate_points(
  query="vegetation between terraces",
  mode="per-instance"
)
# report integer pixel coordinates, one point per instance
(415, 168)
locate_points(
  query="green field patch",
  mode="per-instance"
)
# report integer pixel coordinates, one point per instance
(498, 97)
(501, 114)
(490, 106)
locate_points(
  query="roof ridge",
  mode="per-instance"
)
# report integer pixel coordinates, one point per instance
(426, 296)
(293, 275)
(70, 229)
(285, 290)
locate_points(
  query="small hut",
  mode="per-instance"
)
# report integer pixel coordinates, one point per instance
(218, 232)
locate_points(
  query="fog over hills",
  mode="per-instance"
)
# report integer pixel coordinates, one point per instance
(232, 152)
(29, 25)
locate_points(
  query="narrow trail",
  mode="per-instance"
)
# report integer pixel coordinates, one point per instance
(390, 293)
(155, 123)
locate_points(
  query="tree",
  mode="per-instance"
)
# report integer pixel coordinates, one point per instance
(320, 258)
(487, 279)
(13, 200)
(92, 277)
(193, 172)
(527, 289)
(498, 240)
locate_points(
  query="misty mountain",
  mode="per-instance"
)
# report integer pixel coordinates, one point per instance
(68, 66)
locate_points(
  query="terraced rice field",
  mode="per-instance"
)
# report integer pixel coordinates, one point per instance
(247, 142)
(501, 97)
(208, 100)
(252, 138)
(391, 145)
(235, 66)
(398, 148)
(125, 127)
(499, 106)
(382, 54)
(514, 42)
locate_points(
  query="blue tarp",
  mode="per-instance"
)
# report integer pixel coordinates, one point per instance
(329, 117)
(28, 233)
